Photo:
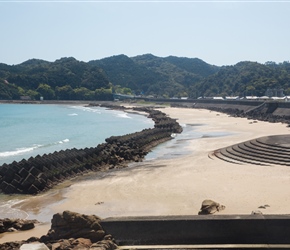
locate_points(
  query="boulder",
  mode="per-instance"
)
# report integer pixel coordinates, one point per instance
(74, 225)
(210, 207)
(34, 246)
(11, 225)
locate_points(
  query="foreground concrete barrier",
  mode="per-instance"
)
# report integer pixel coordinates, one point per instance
(199, 229)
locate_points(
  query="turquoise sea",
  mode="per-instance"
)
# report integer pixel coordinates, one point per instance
(30, 129)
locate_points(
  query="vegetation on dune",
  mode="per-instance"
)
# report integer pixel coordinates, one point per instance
(165, 77)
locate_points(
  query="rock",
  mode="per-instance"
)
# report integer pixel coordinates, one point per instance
(74, 225)
(11, 229)
(82, 242)
(27, 226)
(11, 245)
(69, 230)
(210, 207)
(12, 225)
(104, 245)
(55, 246)
(34, 246)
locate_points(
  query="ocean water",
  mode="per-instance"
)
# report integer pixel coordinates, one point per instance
(34, 129)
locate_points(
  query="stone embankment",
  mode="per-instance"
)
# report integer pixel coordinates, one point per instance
(42, 172)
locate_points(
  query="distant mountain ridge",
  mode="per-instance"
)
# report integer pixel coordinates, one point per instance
(154, 75)
(68, 78)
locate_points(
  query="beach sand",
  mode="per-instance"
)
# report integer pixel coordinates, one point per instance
(177, 186)
(38, 231)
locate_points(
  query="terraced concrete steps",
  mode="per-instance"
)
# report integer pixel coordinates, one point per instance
(268, 150)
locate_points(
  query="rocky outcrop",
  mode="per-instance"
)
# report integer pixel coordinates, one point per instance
(74, 225)
(70, 230)
(12, 225)
(42, 172)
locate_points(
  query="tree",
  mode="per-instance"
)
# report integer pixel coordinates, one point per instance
(83, 94)
(46, 91)
(8, 92)
(103, 94)
(34, 95)
(64, 93)
(21, 91)
(250, 90)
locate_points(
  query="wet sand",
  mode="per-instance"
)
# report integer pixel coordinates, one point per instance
(38, 231)
(177, 186)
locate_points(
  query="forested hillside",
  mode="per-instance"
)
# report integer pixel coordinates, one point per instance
(64, 79)
(245, 78)
(166, 77)
(161, 77)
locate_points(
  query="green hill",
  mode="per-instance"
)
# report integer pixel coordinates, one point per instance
(70, 79)
(157, 76)
(245, 78)
(65, 78)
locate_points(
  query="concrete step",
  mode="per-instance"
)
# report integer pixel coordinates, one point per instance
(281, 142)
(263, 157)
(267, 146)
(267, 149)
(224, 157)
(229, 152)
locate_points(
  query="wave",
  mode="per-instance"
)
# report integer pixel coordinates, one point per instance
(8, 211)
(63, 141)
(21, 151)
(73, 114)
(18, 151)
(124, 115)
(87, 109)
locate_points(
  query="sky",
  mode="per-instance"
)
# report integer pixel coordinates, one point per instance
(217, 32)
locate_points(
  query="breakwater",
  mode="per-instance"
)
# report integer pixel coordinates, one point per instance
(42, 172)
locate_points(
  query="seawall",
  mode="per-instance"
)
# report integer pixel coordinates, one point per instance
(199, 230)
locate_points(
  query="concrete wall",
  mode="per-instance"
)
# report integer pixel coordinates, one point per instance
(199, 229)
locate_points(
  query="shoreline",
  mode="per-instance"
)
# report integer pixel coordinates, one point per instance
(177, 186)
(198, 153)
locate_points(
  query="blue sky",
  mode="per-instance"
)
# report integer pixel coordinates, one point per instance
(218, 32)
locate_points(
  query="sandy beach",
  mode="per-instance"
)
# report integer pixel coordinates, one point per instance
(178, 185)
